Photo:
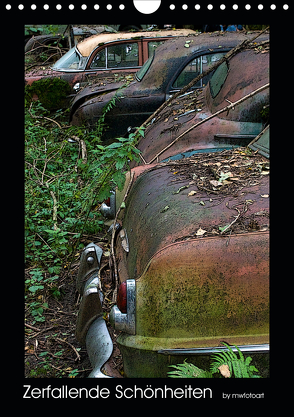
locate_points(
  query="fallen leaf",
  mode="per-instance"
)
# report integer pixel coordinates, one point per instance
(264, 195)
(202, 203)
(164, 209)
(225, 371)
(124, 240)
(200, 232)
(224, 176)
(215, 183)
(192, 193)
(180, 189)
(222, 228)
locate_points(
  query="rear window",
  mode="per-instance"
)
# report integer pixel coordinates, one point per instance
(218, 79)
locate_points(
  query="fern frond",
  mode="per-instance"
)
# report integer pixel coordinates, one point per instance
(188, 370)
(239, 366)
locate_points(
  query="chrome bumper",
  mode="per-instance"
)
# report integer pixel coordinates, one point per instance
(99, 347)
(91, 327)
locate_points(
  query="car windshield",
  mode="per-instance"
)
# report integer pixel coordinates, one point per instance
(142, 71)
(69, 61)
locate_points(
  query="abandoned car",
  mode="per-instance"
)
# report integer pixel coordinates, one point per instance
(191, 243)
(192, 251)
(210, 119)
(104, 53)
(172, 67)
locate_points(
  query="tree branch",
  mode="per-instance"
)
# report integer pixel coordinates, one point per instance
(229, 55)
(230, 106)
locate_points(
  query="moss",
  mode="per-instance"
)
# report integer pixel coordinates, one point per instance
(52, 92)
(201, 302)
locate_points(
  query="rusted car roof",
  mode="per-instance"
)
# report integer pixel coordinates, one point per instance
(87, 45)
(229, 128)
(165, 59)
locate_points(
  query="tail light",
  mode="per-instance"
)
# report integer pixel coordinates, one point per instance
(123, 315)
(122, 297)
(108, 207)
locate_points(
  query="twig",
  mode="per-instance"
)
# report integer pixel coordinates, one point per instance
(41, 331)
(232, 105)
(258, 136)
(229, 238)
(112, 240)
(69, 344)
(231, 53)
(45, 117)
(245, 208)
(234, 221)
(55, 204)
(32, 327)
(46, 243)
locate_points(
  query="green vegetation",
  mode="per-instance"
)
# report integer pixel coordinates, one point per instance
(226, 363)
(68, 173)
(51, 92)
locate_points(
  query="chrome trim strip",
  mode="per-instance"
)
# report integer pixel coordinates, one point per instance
(261, 348)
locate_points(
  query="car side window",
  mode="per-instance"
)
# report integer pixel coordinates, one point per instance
(194, 68)
(99, 60)
(125, 55)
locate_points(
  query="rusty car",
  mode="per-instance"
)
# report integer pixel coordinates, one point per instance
(172, 67)
(193, 265)
(105, 53)
(230, 111)
(191, 244)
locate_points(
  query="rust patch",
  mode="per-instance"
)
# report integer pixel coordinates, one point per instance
(203, 288)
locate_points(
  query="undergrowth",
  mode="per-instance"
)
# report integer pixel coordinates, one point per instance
(68, 174)
(226, 364)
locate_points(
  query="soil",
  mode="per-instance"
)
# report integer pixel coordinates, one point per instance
(51, 349)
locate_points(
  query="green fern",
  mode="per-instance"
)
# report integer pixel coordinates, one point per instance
(239, 367)
(188, 370)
